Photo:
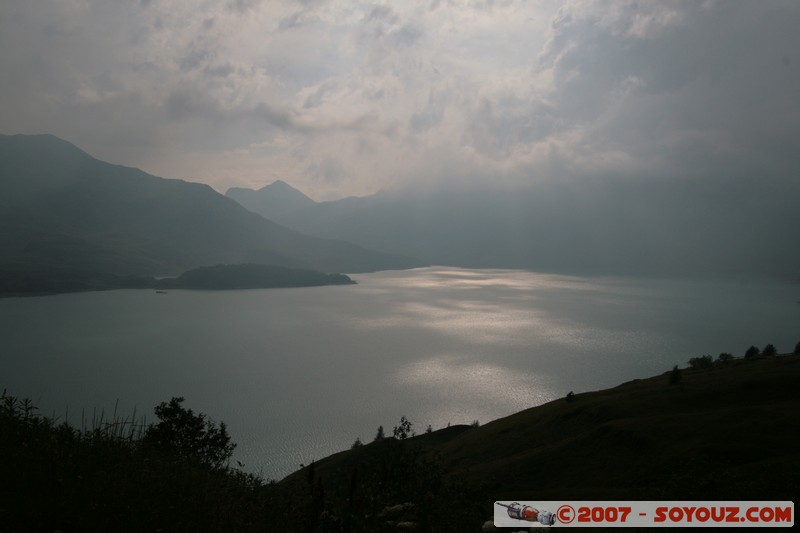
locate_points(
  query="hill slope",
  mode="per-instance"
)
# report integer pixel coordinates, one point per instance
(722, 433)
(726, 433)
(65, 214)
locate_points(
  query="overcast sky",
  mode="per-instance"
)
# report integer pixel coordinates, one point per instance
(347, 97)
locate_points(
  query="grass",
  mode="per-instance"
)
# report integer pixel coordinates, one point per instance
(727, 432)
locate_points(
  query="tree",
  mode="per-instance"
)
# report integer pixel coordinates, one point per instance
(403, 431)
(429, 429)
(379, 436)
(182, 433)
(752, 352)
(797, 349)
(357, 444)
(769, 350)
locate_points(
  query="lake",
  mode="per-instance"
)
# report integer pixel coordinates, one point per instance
(298, 374)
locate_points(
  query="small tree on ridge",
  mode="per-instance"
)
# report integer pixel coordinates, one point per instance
(403, 431)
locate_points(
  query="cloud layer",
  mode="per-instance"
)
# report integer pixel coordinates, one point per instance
(347, 97)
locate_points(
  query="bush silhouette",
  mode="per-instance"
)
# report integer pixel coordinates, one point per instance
(704, 361)
(675, 376)
(724, 357)
(182, 433)
(797, 349)
(752, 352)
(769, 350)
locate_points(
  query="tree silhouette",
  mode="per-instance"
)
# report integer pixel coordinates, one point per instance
(181, 432)
(704, 361)
(769, 350)
(379, 435)
(403, 431)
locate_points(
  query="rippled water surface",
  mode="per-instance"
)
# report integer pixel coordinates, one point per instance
(298, 374)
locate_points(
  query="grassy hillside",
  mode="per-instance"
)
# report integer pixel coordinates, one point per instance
(726, 432)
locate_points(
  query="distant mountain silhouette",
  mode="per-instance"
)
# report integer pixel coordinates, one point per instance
(274, 200)
(66, 215)
(676, 226)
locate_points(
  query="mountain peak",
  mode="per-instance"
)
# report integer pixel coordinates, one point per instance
(278, 184)
(271, 201)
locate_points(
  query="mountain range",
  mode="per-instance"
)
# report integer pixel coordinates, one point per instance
(271, 201)
(70, 222)
(674, 226)
(70, 218)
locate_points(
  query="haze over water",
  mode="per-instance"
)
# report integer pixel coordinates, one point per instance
(298, 374)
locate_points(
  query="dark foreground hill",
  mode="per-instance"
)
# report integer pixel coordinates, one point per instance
(70, 220)
(723, 433)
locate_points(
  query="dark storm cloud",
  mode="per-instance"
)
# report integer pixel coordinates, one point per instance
(691, 84)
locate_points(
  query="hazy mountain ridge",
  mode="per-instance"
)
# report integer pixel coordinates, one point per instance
(271, 201)
(64, 210)
(613, 225)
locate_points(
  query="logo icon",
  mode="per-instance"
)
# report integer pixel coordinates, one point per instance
(528, 513)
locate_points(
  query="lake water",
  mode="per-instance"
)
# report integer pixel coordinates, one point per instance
(298, 374)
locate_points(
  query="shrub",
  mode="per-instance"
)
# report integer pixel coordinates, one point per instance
(752, 352)
(476, 424)
(429, 429)
(675, 376)
(704, 361)
(769, 350)
(797, 349)
(725, 357)
(182, 433)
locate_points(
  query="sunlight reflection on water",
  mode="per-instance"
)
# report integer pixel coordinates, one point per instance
(497, 386)
(298, 374)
